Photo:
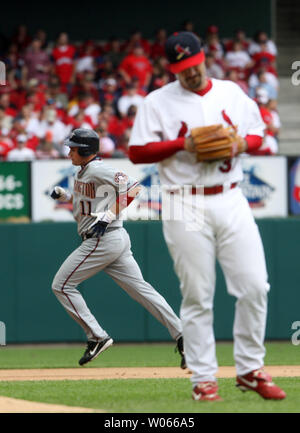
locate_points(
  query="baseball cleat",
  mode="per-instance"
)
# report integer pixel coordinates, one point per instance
(179, 348)
(260, 382)
(206, 391)
(94, 348)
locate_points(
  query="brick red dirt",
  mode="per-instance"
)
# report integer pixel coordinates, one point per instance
(85, 373)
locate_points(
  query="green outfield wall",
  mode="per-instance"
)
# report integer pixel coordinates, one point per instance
(100, 20)
(30, 255)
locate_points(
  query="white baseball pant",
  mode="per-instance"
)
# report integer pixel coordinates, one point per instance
(230, 235)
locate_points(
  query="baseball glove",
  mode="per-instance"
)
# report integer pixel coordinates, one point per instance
(215, 142)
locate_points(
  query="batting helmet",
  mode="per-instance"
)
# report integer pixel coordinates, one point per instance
(86, 140)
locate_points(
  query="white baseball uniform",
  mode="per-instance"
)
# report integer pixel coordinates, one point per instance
(229, 232)
(96, 187)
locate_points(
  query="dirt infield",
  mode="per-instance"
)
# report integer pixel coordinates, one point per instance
(12, 405)
(129, 373)
(15, 405)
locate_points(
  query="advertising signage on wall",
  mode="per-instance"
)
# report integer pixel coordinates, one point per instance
(44, 176)
(25, 188)
(15, 191)
(264, 185)
(47, 174)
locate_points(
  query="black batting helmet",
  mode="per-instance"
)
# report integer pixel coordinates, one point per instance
(86, 140)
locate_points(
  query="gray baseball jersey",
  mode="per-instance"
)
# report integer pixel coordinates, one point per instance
(95, 189)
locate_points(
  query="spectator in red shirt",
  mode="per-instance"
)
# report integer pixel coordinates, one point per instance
(4, 149)
(261, 42)
(6, 144)
(116, 127)
(264, 59)
(37, 62)
(158, 46)
(15, 88)
(272, 107)
(239, 36)
(136, 65)
(35, 94)
(64, 57)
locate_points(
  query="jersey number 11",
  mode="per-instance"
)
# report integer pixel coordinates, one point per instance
(86, 208)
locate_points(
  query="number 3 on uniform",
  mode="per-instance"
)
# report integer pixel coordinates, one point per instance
(86, 207)
(226, 166)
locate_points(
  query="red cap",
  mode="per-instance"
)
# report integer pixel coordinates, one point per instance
(183, 50)
(198, 58)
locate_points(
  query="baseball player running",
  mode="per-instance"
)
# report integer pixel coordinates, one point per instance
(195, 129)
(100, 194)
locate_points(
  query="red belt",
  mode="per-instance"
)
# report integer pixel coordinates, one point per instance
(208, 190)
(217, 189)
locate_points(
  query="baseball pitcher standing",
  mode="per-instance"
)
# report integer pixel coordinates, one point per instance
(100, 194)
(195, 129)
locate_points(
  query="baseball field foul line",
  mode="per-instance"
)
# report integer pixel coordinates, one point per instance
(129, 373)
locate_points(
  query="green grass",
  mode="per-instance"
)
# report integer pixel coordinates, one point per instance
(129, 355)
(152, 396)
(143, 395)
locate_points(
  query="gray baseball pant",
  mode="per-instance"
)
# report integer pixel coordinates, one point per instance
(112, 254)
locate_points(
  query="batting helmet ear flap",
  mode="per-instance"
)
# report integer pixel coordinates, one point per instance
(86, 140)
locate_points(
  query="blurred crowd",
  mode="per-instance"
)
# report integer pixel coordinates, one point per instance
(53, 87)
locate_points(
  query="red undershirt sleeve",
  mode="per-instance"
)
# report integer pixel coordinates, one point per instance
(155, 151)
(254, 142)
(158, 151)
